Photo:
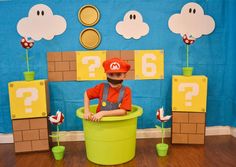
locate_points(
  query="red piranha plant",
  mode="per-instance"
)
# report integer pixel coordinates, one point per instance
(58, 119)
(27, 44)
(162, 148)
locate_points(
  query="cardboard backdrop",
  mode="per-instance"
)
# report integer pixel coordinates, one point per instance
(213, 56)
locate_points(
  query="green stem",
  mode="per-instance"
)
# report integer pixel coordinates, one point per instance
(187, 53)
(27, 60)
(58, 135)
(162, 131)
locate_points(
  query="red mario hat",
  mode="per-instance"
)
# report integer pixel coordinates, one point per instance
(115, 65)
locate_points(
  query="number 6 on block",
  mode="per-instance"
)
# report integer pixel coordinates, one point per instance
(149, 64)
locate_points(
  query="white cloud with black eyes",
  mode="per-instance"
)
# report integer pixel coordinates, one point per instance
(41, 23)
(132, 26)
(191, 21)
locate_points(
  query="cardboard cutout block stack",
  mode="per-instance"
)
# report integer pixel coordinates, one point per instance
(29, 103)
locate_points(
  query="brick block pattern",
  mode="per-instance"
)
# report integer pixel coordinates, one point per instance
(30, 134)
(61, 66)
(188, 127)
(126, 55)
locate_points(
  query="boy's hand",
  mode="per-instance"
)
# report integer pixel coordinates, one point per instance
(98, 116)
(88, 115)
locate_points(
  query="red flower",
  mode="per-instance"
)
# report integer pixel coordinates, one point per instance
(188, 40)
(27, 43)
(57, 119)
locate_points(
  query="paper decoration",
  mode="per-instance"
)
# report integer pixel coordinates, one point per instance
(132, 26)
(41, 23)
(89, 15)
(149, 64)
(160, 115)
(189, 93)
(89, 65)
(57, 119)
(191, 23)
(28, 99)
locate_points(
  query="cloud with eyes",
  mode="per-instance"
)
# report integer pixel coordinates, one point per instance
(41, 23)
(132, 26)
(191, 21)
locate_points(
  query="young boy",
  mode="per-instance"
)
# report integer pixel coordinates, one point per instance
(114, 98)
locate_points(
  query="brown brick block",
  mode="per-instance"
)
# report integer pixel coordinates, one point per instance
(130, 75)
(21, 124)
(188, 128)
(55, 76)
(127, 55)
(112, 53)
(180, 138)
(17, 135)
(24, 146)
(62, 66)
(38, 145)
(39, 123)
(54, 56)
(69, 75)
(175, 127)
(201, 128)
(180, 117)
(43, 133)
(68, 56)
(196, 139)
(51, 66)
(30, 135)
(73, 65)
(197, 117)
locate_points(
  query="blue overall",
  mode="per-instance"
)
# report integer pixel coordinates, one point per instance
(106, 105)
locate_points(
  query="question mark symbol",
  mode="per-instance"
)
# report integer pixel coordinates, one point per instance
(93, 66)
(28, 100)
(189, 94)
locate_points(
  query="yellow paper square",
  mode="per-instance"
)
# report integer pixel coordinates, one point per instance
(149, 64)
(28, 99)
(89, 65)
(189, 94)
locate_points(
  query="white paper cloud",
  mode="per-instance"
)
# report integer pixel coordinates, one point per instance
(132, 26)
(191, 21)
(41, 23)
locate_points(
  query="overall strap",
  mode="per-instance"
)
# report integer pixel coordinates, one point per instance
(121, 94)
(105, 92)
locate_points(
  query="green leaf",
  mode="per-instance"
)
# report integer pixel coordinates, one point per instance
(158, 127)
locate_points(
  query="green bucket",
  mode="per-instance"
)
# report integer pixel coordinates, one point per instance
(187, 71)
(58, 152)
(162, 149)
(112, 140)
(29, 75)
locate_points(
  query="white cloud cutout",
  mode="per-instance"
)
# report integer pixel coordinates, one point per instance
(132, 26)
(41, 23)
(191, 21)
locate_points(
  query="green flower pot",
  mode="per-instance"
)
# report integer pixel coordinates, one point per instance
(29, 75)
(187, 71)
(58, 152)
(162, 149)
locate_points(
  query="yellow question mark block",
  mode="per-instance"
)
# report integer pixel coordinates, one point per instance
(28, 99)
(189, 93)
(89, 65)
(149, 64)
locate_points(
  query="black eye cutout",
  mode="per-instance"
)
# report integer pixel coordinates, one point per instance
(130, 16)
(38, 13)
(194, 11)
(42, 12)
(134, 16)
(190, 10)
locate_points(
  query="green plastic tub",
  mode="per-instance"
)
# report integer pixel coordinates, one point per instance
(112, 140)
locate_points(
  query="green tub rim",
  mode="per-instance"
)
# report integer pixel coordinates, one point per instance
(135, 112)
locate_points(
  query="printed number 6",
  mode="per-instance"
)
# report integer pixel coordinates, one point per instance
(146, 65)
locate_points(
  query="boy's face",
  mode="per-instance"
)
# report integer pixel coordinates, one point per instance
(116, 76)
